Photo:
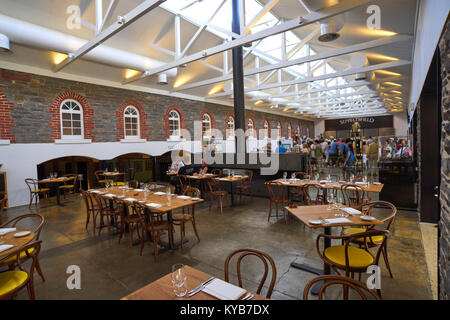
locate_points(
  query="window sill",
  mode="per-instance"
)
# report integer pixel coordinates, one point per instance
(73, 141)
(133, 140)
(5, 142)
(175, 140)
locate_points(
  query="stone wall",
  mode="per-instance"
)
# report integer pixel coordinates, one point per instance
(444, 224)
(32, 116)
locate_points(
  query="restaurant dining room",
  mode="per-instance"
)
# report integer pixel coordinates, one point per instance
(282, 152)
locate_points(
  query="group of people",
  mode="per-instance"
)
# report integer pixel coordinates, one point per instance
(394, 148)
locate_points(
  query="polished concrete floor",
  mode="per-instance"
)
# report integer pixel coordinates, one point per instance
(110, 270)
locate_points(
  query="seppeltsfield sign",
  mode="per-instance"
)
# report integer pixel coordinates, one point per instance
(364, 122)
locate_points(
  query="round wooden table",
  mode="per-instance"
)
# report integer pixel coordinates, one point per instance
(18, 242)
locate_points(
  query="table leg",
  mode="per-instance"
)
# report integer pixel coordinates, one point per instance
(166, 245)
(58, 195)
(232, 195)
(326, 268)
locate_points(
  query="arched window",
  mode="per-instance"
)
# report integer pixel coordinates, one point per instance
(266, 129)
(71, 119)
(206, 125)
(174, 124)
(131, 121)
(230, 127)
(289, 131)
(279, 129)
(250, 128)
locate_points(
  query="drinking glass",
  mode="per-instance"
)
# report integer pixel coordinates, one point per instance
(330, 200)
(285, 175)
(232, 173)
(179, 280)
(293, 176)
(126, 185)
(317, 177)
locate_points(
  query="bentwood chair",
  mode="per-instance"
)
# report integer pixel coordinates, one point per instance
(217, 172)
(184, 183)
(387, 220)
(155, 224)
(264, 257)
(216, 191)
(133, 184)
(69, 186)
(181, 218)
(112, 214)
(151, 186)
(246, 186)
(128, 216)
(331, 280)
(100, 178)
(354, 196)
(278, 196)
(35, 191)
(348, 258)
(92, 209)
(13, 281)
(301, 175)
(312, 190)
(33, 222)
(3, 200)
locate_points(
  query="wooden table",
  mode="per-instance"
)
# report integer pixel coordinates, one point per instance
(306, 213)
(171, 173)
(17, 242)
(332, 185)
(152, 198)
(54, 184)
(162, 289)
(232, 180)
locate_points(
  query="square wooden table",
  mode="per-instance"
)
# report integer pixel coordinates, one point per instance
(162, 288)
(175, 202)
(335, 185)
(306, 213)
(231, 180)
(54, 184)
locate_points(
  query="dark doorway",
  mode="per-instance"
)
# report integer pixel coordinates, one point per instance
(83, 171)
(430, 143)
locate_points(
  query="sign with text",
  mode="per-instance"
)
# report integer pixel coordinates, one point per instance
(364, 122)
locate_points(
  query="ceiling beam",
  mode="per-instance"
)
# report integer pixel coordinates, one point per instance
(313, 17)
(269, 5)
(119, 25)
(319, 56)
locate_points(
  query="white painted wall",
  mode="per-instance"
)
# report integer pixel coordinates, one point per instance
(430, 21)
(400, 124)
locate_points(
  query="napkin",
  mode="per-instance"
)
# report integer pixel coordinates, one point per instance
(337, 220)
(359, 182)
(4, 231)
(138, 189)
(129, 199)
(351, 211)
(154, 205)
(377, 183)
(159, 193)
(5, 247)
(324, 181)
(223, 290)
(110, 195)
(183, 197)
(237, 176)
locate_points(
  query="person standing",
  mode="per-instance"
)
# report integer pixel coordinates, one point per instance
(373, 156)
(348, 158)
(365, 152)
(333, 151)
(319, 156)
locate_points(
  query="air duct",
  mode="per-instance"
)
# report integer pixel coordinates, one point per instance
(359, 60)
(328, 31)
(4, 44)
(32, 35)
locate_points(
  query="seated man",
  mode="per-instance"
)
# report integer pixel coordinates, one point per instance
(280, 148)
(176, 165)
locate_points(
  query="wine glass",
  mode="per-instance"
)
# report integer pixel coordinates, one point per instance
(179, 280)
(293, 176)
(285, 175)
(317, 177)
(330, 200)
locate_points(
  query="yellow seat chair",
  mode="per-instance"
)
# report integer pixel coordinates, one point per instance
(35, 190)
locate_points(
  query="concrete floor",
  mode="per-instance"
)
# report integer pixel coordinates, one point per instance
(111, 271)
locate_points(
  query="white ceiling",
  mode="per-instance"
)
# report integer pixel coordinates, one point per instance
(157, 28)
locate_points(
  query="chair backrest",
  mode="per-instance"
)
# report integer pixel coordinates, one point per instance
(150, 186)
(335, 177)
(249, 173)
(277, 190)
(388, 219)
(133, 184)
(32, 184)
(354, 195)
(154, 217)
(87, 197)
(301, 175)
(331, 280)
(99, 174)
(33, 221)
(264, 257)
(183, 182)
(217, 172)
(100, 200)
(192, 192)
(2, 206)
(214, 185)
(310, 189)
(71, 181)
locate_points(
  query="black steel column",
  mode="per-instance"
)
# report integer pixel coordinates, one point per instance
(238, 78)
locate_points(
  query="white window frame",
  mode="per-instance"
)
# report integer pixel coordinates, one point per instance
(279, 129)
(138, 118)
(178, 119)
(266, 129)
(289, 131)
(206, 118)
(230, 132)
(80, 112)
(251, 133)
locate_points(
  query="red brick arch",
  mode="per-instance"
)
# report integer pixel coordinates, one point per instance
(166, 120)
(142, 119)
(6, 122)
(55, 122)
